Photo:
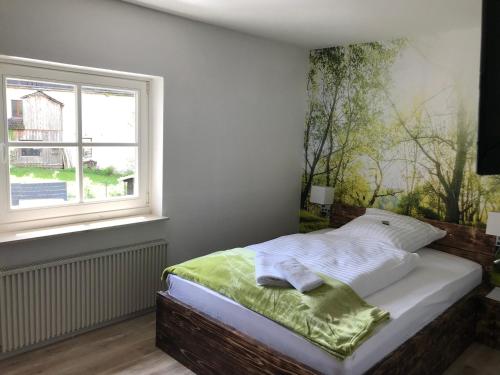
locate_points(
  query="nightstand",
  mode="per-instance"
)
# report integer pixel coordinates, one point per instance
(488, 325)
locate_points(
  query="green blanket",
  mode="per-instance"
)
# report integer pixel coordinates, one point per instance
(332, 316)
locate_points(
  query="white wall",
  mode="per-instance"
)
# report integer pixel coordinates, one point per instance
(234, 110)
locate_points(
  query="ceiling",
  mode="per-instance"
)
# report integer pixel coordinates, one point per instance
(324, 23)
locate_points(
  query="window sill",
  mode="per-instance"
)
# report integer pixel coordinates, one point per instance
(64, 230)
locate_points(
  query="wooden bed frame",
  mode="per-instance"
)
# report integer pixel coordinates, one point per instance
(208, 346)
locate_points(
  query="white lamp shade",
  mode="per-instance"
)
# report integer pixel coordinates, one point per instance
(493, 225)
(321, 195)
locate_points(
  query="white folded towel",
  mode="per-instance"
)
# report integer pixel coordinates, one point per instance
(266, 273)
(298, 275)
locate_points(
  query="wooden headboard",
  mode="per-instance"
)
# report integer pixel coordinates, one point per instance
(461, 240)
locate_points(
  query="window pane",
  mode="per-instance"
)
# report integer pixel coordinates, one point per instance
(109, 172)
(42, 176)
(108, 115)
(40, 111)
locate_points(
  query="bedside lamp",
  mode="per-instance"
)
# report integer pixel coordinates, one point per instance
(493, 225)
(493, 228)
(322, 195)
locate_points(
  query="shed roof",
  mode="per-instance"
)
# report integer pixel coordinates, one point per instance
(38, 93)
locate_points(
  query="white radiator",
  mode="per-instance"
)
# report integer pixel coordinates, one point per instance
(46, 301)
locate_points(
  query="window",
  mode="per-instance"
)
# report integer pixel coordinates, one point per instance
(75, 143)
(31, 152)
(17, 108)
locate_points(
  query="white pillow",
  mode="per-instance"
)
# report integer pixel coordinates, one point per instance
(402, 232)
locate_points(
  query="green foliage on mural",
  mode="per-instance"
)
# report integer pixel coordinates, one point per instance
(310, 222)
(414, 157)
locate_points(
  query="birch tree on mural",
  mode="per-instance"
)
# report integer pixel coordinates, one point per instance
(344, 85)
(393, 125)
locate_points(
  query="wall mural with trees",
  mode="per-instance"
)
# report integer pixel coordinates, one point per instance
(393, 125)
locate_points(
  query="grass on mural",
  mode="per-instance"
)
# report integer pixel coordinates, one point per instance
(310, 222)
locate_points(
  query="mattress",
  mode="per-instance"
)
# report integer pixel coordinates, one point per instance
(437, 283)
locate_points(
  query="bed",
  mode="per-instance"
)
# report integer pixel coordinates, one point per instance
(432, 308)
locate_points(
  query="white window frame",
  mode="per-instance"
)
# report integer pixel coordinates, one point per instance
(81, 211)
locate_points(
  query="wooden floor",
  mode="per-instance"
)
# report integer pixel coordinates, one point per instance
(128, 348)
(476, 360)
(124, 348)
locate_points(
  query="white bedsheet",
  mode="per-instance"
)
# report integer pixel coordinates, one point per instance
(363, 264)
(435, 284)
